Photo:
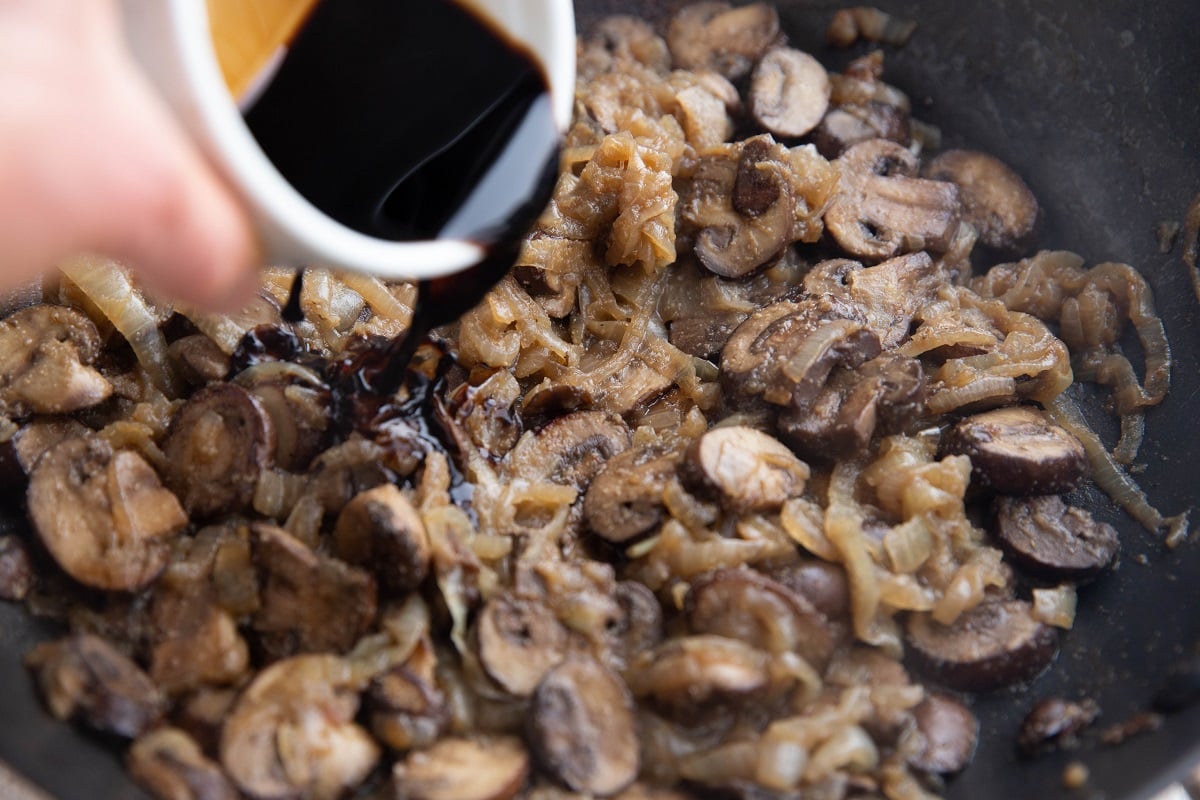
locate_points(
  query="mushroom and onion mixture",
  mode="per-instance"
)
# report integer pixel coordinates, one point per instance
(680, 508)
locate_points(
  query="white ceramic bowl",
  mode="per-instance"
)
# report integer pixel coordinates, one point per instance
(170, 38)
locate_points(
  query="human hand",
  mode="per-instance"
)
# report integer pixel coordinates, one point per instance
(92, 160)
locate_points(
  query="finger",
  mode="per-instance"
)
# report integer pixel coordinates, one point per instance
(173, 219)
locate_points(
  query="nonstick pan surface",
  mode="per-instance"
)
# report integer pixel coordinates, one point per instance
(1097, 105)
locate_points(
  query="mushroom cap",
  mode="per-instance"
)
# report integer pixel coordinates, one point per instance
(715, 35)
(582, 727)
(455, 768)
(103, 516)
(45, 353)
(292, 734)
(995, 200)
(748, 470)
(789, 92)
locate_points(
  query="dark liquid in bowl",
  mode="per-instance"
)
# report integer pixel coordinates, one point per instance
(408, 120)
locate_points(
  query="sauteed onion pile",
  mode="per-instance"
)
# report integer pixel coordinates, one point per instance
(738, 482)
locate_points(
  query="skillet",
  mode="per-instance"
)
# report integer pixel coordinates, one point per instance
(1097, 106)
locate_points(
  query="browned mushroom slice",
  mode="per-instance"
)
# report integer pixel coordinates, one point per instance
(865, 22)
(21, 452)
(1055, 722)
(292, 734)
(463, 769)
(847, 125)
(519, 641)
(1018, 451)
(639, 626)
(950, 732)
(218, 444)
(744, 211)
(45, 353)
(104, 517)
(789, 92)
(880, 209)
(716, 36)
(993, 645)
(582, 727)
(784, 352)
(298, 403)
(1048, 538)
(682, 673)
(380, 530)
(406, 711)
(747, 470)
(569, 450)
(84, 677)
(994, 198)
(198, 360)
(746, 605)
(169, 764)
(884, 395)
(196, 643)
(16, 570)
(625, 500)
(822, 584)
(310, 601)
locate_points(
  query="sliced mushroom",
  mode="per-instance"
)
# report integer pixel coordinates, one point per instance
(789, 92)
(625, 500)
(45, 357)
(380, 530)
(519, 641)
(198, 359)
(993, 645)
(582, 727)
(784, 352)
(717, 36)
(685, 672)
(1018, 451)
(994, 198)
(746, 605)
(406, 711)
(885, 395)
(950, 733)
(103, 516)
(196, 643)
(299, 405)
(463, 769)
(83, 677)
(310, 601)
(748, 470)
(865, 22)
(16, 570)
(824, 585)
(170, 765)
(743, 210)
(569, 450)
(219, 442)
(639, 626)
(1050, 539)
(881, 210)
(20, 453)
(1055, 722)
(292, 734)
(890, 294)
(847, 125)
